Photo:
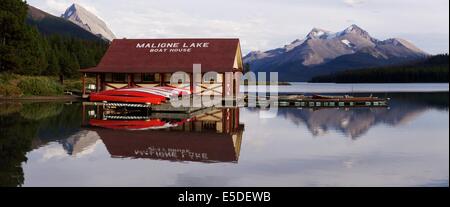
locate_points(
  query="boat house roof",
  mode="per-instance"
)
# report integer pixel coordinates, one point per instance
(170, 55)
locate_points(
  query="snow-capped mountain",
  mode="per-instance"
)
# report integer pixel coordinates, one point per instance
(48, 24)
(88, 21)
(327, 52)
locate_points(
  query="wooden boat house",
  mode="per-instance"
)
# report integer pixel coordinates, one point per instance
(151, 62)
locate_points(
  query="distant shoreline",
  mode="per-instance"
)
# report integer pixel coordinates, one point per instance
(41, 98)
(266, 83)
(304, 87)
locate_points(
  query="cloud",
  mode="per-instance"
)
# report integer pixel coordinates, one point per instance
(58, 7)
(353, 3)
(153, 23)
(264, 25)
(55, 6)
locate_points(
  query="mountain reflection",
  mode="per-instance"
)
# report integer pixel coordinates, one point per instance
(27, 126)
(355, 122)
(80, 143)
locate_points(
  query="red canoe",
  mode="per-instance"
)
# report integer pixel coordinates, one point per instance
(136, 124)
(155, 100)
(152, 95)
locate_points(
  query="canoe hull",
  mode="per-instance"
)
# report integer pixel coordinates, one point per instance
(153, 95)
(155, 100)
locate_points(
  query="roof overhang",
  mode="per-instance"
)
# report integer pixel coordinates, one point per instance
(169, 55)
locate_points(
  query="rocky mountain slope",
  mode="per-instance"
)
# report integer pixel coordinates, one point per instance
(323, 52)
(88, 21)
(48, 24)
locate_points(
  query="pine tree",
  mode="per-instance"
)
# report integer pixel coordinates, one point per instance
(33, 54)
(247, 68)
(68, 64)
(12, 33)
(53, 67)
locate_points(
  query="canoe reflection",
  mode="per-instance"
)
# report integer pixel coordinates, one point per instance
(137, 124)
(212, 135)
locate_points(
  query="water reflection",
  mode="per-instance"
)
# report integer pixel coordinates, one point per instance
(36, 133)
(27, 126)
(355, 122)
(211, 135)
(81, 143)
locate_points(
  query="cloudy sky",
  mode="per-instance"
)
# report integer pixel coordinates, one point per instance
(263, 25)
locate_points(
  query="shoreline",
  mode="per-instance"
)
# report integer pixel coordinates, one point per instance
(296, 88)
(42, 98)
(301, 87)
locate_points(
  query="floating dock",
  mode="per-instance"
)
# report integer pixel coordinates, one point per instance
(318, 101)
(298, 101)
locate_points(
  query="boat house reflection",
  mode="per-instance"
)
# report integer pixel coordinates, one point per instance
(212, 135)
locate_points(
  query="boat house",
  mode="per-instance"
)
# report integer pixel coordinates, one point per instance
(151, 62)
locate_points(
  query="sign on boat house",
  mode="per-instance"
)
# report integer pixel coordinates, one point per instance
(151, 62)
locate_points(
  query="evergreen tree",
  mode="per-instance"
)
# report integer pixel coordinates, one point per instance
(432, 70)
(33, 55)
(68, 64)
(12, 33)
(53, 67)
(247, 68)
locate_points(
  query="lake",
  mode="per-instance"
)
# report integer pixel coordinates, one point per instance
(66, 144)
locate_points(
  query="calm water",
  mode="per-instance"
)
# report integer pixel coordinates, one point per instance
(62, 144)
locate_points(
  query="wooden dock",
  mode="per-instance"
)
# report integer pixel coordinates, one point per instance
(319, 101)
(166, 107)
(298, 101)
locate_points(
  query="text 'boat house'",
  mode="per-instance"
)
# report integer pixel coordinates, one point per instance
(151, 62)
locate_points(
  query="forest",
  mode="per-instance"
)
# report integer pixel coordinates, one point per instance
(25, 51)
(431, 70)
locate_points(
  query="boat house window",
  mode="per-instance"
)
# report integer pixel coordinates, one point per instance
(218, 79)
(119, 77)
(137, 78)
(108, 77)
(167, 77)
(148, 77)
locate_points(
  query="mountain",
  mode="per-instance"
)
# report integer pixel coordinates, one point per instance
(324, 52)
(88, 21)
(48, 24)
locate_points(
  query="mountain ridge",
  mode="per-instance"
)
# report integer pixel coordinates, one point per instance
(48, 24)
(306, 58)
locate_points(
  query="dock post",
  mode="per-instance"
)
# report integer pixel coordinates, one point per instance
(192, 83)
(129, 76)
(161, 79)
(83, 115)
(97, 83)
(83, 80)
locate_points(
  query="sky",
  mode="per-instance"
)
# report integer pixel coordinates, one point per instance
(264, 25)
